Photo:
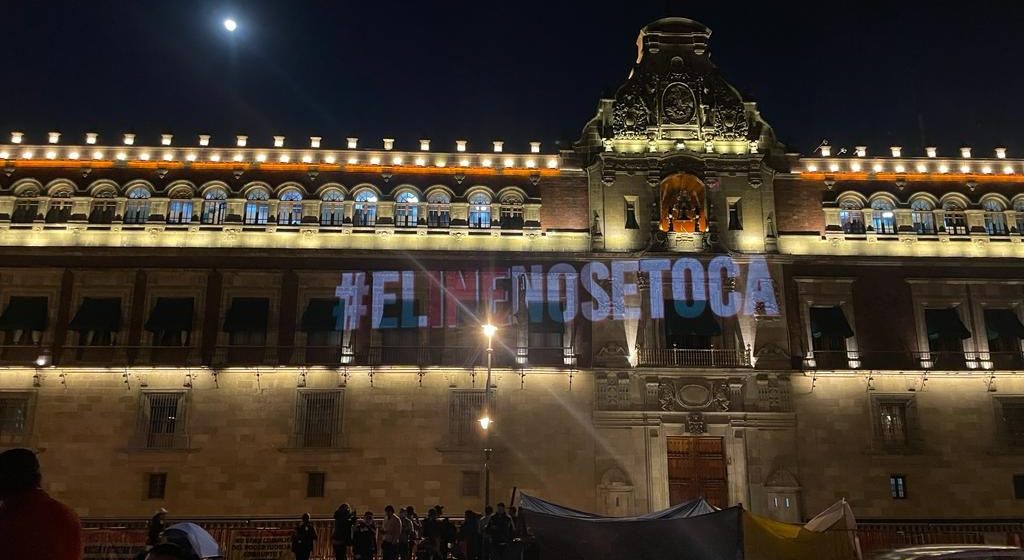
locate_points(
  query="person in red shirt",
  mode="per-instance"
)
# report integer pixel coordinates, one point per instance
(33, 526)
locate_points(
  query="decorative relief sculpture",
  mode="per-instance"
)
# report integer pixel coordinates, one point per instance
(694, 394)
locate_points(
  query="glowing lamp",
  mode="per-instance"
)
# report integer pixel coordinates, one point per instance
(509, 162)
(215, 157)
(921, 168)
(284, 158)
(440, 163)
(486, 162)
(241, 141)
(531, 163)
(191, 156)
(71, 155)
(374, 160)
(986, 170)
(168, 156)
(421, 161)
(1008, 170)
(833, 167)
(121, 156)
(826, 151)
(238, 157)
(51, 154)
(397, 160)
(855, 166)
(261, 157)
(965, 168)
(352, 143)
(811, 168)
(877, 168)
(552, 163)
(897, 151)
(489, 330)
(329, 159)
(900, 168)
(353, 160)
(861, 151)
(97, 155)
(307, 158)
(485, 422)
(27, 154)
(931, 151)
(4, 155)
(144, 156)
(463, 162)
(965, 152)
(1000, 153)
(943, 168)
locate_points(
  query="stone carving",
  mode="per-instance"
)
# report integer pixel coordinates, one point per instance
(631, 115)
(612, 348)
(694, 394)
(695, 423)
(678, 104)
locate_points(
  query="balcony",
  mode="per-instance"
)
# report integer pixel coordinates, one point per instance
(693, 357)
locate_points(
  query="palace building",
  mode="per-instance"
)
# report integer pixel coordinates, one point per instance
(233, 327)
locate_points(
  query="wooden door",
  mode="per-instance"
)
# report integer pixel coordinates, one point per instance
(696, 467)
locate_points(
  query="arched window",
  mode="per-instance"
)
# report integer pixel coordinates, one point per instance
(257, 207)
(480, 210)
(365, 208)
(439, 210)
(26, 207)
(406, 209)
(214, 206)
(179, 207)
(136, 210)
(954, 218)
(289, 209)
(59, 210)
(851, 216)
(512, 212)
(995, 217)
(332, 209)
(883, 217)
(1018, 208)
(923, 215)
(103, 208)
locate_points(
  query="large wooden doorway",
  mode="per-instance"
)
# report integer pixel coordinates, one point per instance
(696, 467)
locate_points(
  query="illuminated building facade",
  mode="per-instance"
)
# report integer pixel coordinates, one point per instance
(172, 331)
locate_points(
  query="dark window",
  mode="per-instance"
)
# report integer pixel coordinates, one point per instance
(246, 321)
(631, 222)
(318, 418)
(315, 484)
(1018, 486)
(59, 210)
(24, 319)
(1011, 414)
(465, 406)
(946, 333)
(14, 417)
(103, 211)
(696, 332)
(511, 214)
(1004, 331)
(97, 321)
(898, 486)
(470, 484)
(735, 211)
(829, 331)
(170, 321)
(162, 420)
(156, 486)
(25, 210)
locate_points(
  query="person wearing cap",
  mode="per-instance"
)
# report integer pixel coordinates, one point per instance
(33, 526)
(155, 527)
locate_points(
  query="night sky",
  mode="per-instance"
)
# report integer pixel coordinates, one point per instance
(907, 73)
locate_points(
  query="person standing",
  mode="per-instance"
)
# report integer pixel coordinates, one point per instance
(364, 538)
(391, 534)
(304, 539)
(155, 527)
(408, 535)
(469, 535)
(33, 526)
(485, 538)
(500, 531)
(341, 538)
(432, 533)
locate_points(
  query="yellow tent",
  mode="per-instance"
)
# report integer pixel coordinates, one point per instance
(829, 536)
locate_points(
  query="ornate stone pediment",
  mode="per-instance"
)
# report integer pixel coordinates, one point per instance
(694, 394)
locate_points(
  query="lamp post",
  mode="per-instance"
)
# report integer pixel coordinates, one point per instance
(485, 420)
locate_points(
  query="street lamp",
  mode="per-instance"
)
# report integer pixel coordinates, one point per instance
(485, 420)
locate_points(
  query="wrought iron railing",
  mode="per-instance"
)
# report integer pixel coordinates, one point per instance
(693, 357)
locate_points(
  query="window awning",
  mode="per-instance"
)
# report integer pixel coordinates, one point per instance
(829, 321)
(945, 322)
(98, 314)
(540, 321)
(247, 314)
(171, 314)
(704, 324)
(25, 313)
(323, 314)
(1003, 322)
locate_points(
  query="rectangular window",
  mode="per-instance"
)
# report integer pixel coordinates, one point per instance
(179, 211)
(59, 211)
(898, 486)
(97, 321)
(156, 486)
(829, 331)
(465, 407)
(631, 222)
(315, 484)
(470, 484)
(15, 418)
(1018, 486)
(946, 333)
(170, 321)
(26, 210)
(735, 214)
(162, 420)
(1010, 414)
(247, 320)
(318, 418)
(892, 418)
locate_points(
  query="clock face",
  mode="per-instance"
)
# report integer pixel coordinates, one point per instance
(678, 104)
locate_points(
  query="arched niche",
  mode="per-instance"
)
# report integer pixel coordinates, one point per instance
(683, 204)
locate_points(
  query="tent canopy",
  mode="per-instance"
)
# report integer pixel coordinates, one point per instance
(190, 535)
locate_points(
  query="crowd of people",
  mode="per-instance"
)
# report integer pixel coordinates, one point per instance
(403, 535)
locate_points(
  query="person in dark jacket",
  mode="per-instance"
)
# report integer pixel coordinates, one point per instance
(364, 538)
(155, 527)
(432, 533)
(500, 531)
(304, 539)
(469, 535)
(341, 538)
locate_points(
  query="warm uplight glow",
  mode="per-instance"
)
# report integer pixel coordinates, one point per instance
(215, 157)
(4, 155)
(1008, 170)
(509, 162)
(51, 154)
(129, 139)
(284, 158)
(877, 168)
(900, 168)
(965, 169)
(307, 159)
(16, 137)
(279, 141)
(374, 160)
(71, 155)
(144, 156)
(397, 160)
(121, 156)
(464, 162)
(485, 422)
(168, 156)
(238, 157)
(552, 163)
(943, 168)
(421, 161)
(489, 330)
(833, 167)
(97, 155)
(811, 168)
(230, 24)
(27, 154)
(261, 157)
(54, 137)
(855, 167)
(165, 139)
(486, 162)
(329, 159)
(986, 170)
(921, 168)
(191, 156)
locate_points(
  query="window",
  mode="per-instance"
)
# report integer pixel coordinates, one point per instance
(894, 420)
(26, 208)
(406, 209)
(883, 217)
(1018, 209)
(851, 216)
(247, 320)
(1018, 486)
(512, 212)
(15, 418)
(315, 482)
(257, 207)
(1010, 414)
(898, 486)
(1004, 332)
(735, 213)
(923, 216)
(995, 217)
(136, 210)
(170, 321)
(156, 486)
(318, 418)
(214, 206)
(24, 320)
(179, 208)
(543, 330)
(954, 218)
(439, 210)
(59, 210)
(162, 420)
(690, 333)
(470, 484)
(829, 331)
(97, 321)
(631, 222)
(946, 333)
(289, 208)
(332, 208)
(322, 321)
(103, 208)
(479, 210)
(365, 209)
(465, 407)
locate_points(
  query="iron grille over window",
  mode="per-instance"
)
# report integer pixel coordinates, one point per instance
(162, 420)
(464, 410)
(156, 486)
(332, 208)
(894, 420)
(59, 210)
(315, 482)
(470, 484)
(318, 418)
(1011, 413)
(15, 418)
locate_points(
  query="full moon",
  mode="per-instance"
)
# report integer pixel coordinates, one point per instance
(230, 24)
